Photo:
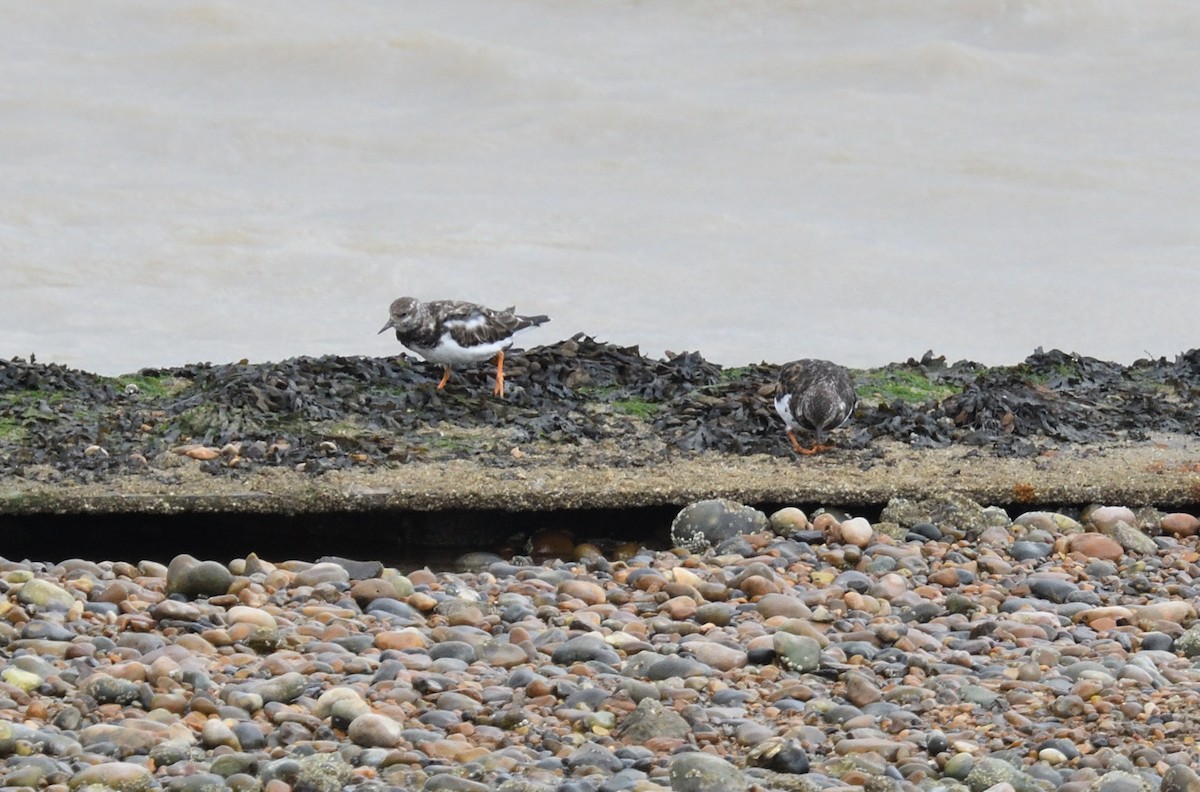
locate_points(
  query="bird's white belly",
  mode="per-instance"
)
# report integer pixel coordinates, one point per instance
(448, 351)
(783, 406)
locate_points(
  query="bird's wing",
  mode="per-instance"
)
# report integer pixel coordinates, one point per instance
(473, 325)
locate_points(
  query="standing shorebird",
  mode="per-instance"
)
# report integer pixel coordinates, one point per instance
(816, 396)
(449, 332)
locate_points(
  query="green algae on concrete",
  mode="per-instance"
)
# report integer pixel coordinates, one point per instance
(901, 383)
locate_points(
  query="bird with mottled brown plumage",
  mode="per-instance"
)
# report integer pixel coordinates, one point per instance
(452, 332)
(816, 397)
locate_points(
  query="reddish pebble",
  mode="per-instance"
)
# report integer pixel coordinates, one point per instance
(422, 577)
(650, 582)
(679, 608)
(1180, 524)
(664, 745)
(772, 605)
(587, 551)
(401, 640)
(552, 544)
(422, 601)
(757, 586)
(825, 522)
(590, 593)
(365, 591)
(1094, 545)
(539, 687)
(718, 656)
(945, 577)
(117, 591)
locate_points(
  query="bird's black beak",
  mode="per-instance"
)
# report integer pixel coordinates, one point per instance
(390, 324)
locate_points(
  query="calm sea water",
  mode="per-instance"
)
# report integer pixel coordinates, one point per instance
(862, 181)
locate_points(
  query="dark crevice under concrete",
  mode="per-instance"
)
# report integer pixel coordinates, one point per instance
(405, 539)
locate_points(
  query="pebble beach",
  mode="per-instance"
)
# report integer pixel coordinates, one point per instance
(945, 646)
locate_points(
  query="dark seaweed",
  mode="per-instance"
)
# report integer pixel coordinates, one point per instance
(320, 414)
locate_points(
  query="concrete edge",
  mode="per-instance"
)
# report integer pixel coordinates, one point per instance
(1162, 471)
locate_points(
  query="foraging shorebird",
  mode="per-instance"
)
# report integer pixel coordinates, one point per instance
(450, 332)
(816, 396)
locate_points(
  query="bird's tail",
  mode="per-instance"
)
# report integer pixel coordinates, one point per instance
(534, 321)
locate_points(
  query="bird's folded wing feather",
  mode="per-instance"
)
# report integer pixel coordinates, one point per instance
(474, 327)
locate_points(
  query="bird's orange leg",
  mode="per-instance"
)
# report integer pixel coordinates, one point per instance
(805, 451)
(499, 389)
(445, 378)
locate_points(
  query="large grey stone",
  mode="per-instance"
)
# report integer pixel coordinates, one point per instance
(701, 772)
(118, 776)
(323, 772)
(652, 719)
(193, 578)
(707, 523)
(44, 594)
(797, 652)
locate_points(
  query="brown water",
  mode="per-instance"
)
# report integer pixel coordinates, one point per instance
(210, 181)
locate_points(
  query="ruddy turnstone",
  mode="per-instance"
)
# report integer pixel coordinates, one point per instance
(449, 332)
(814, 395)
